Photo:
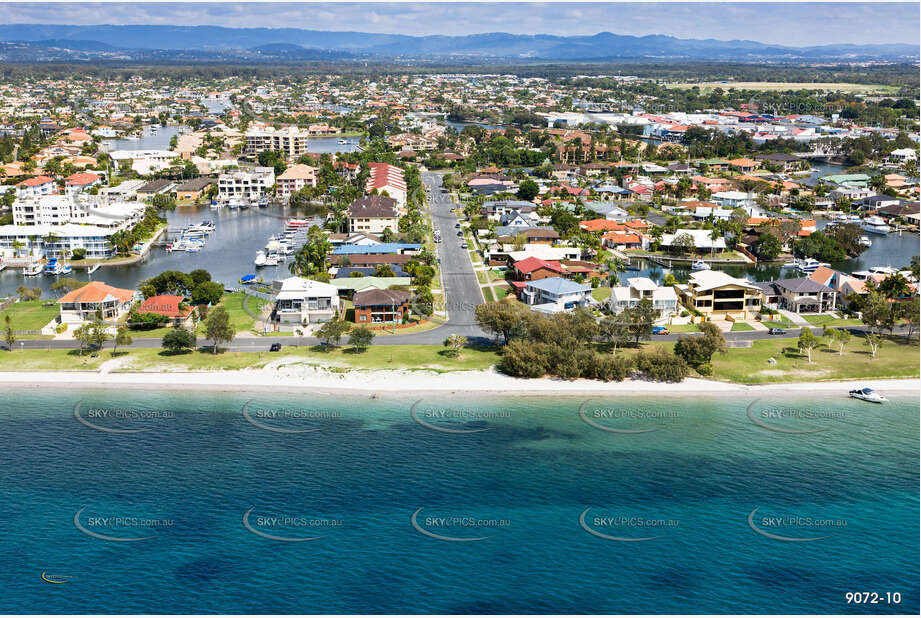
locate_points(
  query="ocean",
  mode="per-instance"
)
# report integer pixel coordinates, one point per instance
(205, 502)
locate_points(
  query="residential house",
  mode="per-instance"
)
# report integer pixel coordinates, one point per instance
(81, 305)
(801, 295)
(663, 298)
(534, 269)
(76, 183)
(36, 187)
(296, 178)
(721, 296)
(555, 294)
(703, 239)
(304, 301)
(154, 187)
(192, 190)
(381, 306)
(169, 306)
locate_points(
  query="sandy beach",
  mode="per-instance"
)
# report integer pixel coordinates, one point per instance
(279, 376)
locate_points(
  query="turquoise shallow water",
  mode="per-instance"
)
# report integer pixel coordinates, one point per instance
(515, 473)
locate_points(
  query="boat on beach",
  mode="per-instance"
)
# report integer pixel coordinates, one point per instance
(867, 394)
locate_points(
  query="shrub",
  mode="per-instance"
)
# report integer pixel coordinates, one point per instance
(611, 368)
(60, 328)
(705, 369)
(662, 366)
(524, 359)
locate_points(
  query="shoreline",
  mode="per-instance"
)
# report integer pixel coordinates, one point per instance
(300, 378)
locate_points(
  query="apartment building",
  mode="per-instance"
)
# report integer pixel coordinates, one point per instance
(386, 178)
(246, 184)
(373, 214)
(296, 178)
(290, 140)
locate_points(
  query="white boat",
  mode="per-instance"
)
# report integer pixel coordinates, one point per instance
(66, 269)
(700, 265)
(876, 225)
(263, 201)
(271, 259)
(260, 258)
(883, 270)
(342, 140)
(93, 268)
(54, 267)
(33, 270)
(216, 205)
(193, 248)
(867, 394)
(865, 241)
(808, 265)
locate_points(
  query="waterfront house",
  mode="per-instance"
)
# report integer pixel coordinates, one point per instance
(81, 305)
(303, 301)
(801, 295)
(296, 178)
(76, 183)
(703, 240)
(245, 184)
(170, 306)
(381, 306)
(719, 295)
(154, 187)
(663, 298)
(399, 248)
(555, 294)
(192, 190)
(373, 214)
(534, 269)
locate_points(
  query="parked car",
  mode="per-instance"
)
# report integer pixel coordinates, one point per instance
(463, 245)
(659, 330)
(275, 347)
(776, 331)
(457, 225)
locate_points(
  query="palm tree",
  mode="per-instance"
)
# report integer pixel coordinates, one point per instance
(17, 245)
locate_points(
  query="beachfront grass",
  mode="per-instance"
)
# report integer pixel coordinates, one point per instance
(50, 360)
(738, 327)
(430, 357)
(897, 358)
(239, 318)
(29, 315)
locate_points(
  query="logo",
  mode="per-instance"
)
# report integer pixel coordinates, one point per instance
(785, 420)
(792, 522)
(463, 522)
(273, 419)
(120, 524)
(647, 420)
(270, 527)
(623, 523)
(55, 579)
(425, 415)
(92, 417)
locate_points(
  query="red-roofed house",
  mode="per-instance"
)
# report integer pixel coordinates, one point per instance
(75, 183)
(600, 225)
(533, 269)
(36, 186)
(169, 306)
(624, 240)
(80, 305)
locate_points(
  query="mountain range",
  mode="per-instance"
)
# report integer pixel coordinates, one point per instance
(35, 42)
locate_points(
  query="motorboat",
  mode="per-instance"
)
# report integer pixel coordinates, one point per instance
(876, 225)
(865, 241)
(216, 205)
(808, 265)
(263, 201)
(883, 270)
(271, 259)
(342, 140)
(248, 279)
(260, 258)
(33, 269)
(699, 265)
(54, 267)
(867, 394)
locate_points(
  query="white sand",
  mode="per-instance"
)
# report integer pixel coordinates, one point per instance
(279, 376)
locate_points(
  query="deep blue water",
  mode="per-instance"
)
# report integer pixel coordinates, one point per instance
(358, 479)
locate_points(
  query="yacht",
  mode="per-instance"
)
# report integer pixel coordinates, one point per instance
(53, 267)
(808, 265)
(260, 258)
(867, 394)
(216, 205)
(883, 270)
(271, 259)
(876, 225)
(865, 241)
(263, 201)
(33, 269)
(342, 140)
(699, 264)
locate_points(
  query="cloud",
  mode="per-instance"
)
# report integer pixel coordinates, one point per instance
(780, 23)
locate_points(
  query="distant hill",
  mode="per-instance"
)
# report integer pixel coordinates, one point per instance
(295, 43)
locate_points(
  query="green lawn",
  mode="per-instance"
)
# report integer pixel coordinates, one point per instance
(488, 294)
(601, 294)
(239, 319)
(481, 276)
(502, 292)
(738, 327)
(376, 357)
(683, 328)
(779, 323)
(496, 275)
(896, 359)
(50, 360)
(29, 315)
(823, 319)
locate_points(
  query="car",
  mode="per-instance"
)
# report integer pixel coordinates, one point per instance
(463, 245)
(275, 347)
(460, 233)
(659, 330)
(457, 225)
(776, 331)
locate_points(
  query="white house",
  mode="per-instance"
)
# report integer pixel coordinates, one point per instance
(902, 155)
(555, 294)
(664, 299)
(702, 239)
(82, 304)
(144, 162)
(303, 301)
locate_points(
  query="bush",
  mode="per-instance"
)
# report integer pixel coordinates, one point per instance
(60, 328)
(662, 366)
(611, 368)
(524, 359)
(78, 254)
(705, 369)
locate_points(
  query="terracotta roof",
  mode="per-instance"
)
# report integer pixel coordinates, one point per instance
(35, 181)
(96, 292)
(600, 225)
(373, 206)
(84, 178)
(165, 304)
(529, 265)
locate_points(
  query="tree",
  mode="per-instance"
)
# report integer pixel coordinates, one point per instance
(841, 337)
(25, 294)
(908, 311)
(527, 190)
(360, 338)
(873, 341)
(9, 336)
(265, 310)
(384, 270)
(122, 337)
(83, 334)
(163, 201)
(894, 286)
(506, 317)
(99, 332)
(207, 293)
(682, 243)
(614, 331)
(807, 342)
(768, 246)
(333, 330)
(218, 328)
(177, 340)
(639, 319)
(877, 313)
(455, 343)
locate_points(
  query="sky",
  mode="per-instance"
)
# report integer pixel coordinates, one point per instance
(796, 24)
